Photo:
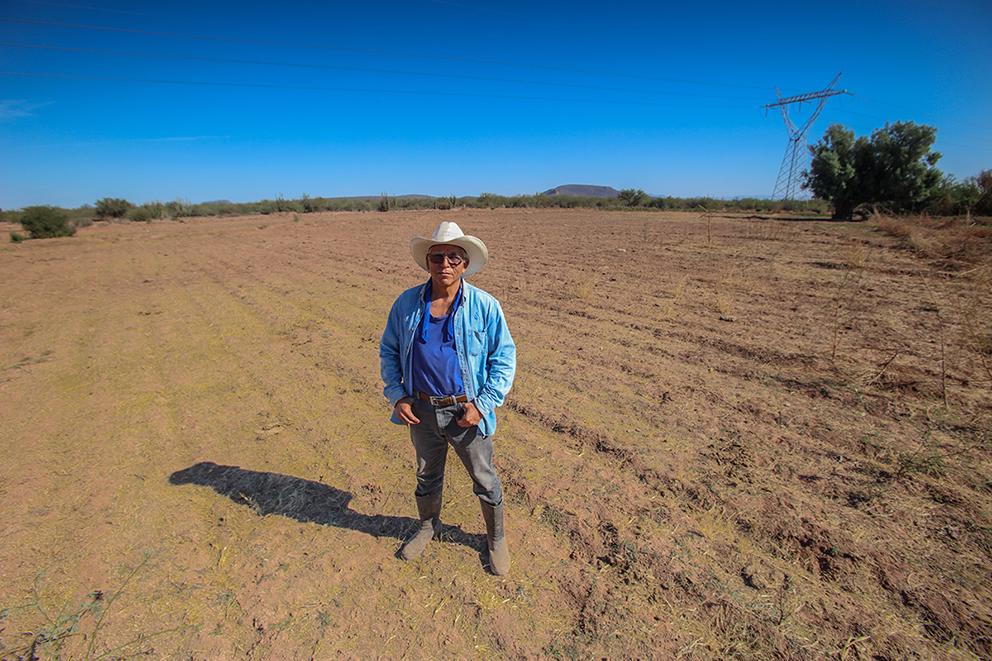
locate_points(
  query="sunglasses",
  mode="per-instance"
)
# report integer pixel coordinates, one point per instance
(453, 258)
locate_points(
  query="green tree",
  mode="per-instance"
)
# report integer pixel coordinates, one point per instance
(894, 168)
(112, 207)
(632, 197)
(44, 222)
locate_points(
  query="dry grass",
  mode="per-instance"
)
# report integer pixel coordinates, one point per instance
(677, 485)
(955, 240)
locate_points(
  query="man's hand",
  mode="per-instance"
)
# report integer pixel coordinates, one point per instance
(470, 416)
(404, 412)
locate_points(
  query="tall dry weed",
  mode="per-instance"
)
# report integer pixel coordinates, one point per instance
(976, 329)
(961, 239)
(855, 260)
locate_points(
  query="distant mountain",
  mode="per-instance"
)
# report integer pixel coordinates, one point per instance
(583, 190)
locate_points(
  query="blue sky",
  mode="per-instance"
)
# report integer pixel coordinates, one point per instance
(242, 101)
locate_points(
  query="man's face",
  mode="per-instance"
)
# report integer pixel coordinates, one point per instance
(445, 273)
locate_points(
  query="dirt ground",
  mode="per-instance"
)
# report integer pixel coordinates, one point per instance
(728, 438)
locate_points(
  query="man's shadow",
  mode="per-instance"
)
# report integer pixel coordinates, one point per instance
(307, 501)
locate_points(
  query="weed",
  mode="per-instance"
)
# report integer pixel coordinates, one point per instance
(554, 518)
(61, 627)
(976, 330)
(930, 463)
(940, 335)
(584, 290)
(847, 291)
(17, 238)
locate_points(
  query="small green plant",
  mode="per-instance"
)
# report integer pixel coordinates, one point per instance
(17, 238)
(72, 628)
(112, 207)
(929, 463)
(44, 222)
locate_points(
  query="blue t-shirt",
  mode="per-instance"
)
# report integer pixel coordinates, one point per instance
(435, 361)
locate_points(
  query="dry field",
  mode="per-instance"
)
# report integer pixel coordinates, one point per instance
(728, 438)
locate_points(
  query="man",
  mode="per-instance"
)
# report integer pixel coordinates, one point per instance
(447, 361)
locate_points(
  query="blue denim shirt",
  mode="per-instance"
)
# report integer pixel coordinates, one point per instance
(486, 353)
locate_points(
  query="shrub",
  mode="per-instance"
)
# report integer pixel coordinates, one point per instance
(147, 212)
(179, 208)
(16, 238)
(112, 207)
(633, 197)
(45, 222)
(308, 204)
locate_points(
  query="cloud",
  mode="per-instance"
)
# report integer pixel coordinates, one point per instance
(11, 109)
(125, 141)
(181, 138)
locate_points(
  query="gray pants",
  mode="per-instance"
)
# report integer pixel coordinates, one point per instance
(438, 428)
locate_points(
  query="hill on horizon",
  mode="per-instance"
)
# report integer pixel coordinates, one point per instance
(583, 190)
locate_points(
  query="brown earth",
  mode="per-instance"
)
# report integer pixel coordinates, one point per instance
(728, 438)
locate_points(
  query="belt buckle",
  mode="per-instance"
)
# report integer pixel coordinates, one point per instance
(443, 401)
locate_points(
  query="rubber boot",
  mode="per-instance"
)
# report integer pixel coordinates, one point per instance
(499, 555)
(429, 508)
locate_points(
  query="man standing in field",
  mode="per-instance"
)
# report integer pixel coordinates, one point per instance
(447, 360)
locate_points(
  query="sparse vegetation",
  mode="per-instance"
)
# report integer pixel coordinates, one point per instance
(183, 208)
(148, 212)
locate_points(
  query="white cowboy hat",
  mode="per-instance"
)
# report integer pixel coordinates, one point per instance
(450, 234)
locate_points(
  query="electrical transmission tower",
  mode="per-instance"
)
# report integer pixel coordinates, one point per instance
(796, 152)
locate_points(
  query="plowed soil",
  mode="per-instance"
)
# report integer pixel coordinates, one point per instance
(728, 438)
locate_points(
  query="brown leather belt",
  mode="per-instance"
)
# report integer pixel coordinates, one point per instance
(450, 400)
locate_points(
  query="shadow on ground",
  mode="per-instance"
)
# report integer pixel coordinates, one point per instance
(307, 501)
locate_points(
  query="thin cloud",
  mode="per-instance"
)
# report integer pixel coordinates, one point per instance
(180, 138)
(124, 141)
(11, 109)
(86, 7)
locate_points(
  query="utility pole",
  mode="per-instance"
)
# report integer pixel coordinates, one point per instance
(796, 152)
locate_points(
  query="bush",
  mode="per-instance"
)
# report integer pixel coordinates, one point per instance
(112, 207)
(45, 222)
(308, 204)
(633, 197)
(179, 208)
(147, 212)
(16, 238)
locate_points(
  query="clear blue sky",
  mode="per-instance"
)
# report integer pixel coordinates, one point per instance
(460, 97)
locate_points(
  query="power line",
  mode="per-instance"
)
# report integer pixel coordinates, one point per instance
(366, 51)
(86, 7)
(334, 67)
(318, 88)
